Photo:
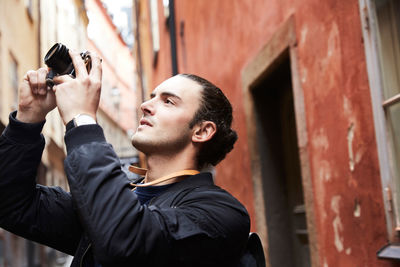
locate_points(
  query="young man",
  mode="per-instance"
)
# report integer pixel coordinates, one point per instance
(175, 216)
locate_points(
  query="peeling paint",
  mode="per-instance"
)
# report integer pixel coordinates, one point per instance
(324, 215)
(325, 171)
(337, 223)
(357, 209)
(350, 136)
(347, 109)
(337, 227)
(354, 157)
(320, 140)
(304, 76)
(348, 251)
(333, 40)
(359, 155)
(303, 34)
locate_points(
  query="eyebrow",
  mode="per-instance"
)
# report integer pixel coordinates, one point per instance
(166, 94)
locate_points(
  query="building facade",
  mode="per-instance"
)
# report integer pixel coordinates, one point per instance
(315, 88)
(119, 95)
(19, 52)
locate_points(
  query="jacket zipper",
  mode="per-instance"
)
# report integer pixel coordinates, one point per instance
(84, 254)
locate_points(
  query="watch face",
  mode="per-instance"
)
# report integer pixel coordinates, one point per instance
(83, 119)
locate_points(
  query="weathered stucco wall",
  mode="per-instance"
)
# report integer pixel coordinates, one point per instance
(217, 39)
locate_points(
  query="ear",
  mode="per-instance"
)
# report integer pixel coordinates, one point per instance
(204, 131)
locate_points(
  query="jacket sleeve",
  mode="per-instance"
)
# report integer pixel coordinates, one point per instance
(39, 213)
(121, 230)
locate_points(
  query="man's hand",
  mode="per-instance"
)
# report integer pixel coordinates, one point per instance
(34, 100)
(82, 94)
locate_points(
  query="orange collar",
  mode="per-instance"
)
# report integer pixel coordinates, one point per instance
(141, 171)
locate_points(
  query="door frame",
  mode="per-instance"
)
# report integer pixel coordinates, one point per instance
(282, 42)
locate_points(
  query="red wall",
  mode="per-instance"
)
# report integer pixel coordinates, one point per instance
(221, 37)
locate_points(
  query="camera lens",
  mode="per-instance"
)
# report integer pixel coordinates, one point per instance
(58, 59)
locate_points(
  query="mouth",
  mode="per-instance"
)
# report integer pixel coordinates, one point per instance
(144, 121)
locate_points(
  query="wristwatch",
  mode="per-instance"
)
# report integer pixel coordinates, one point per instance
(83, 119)
(78, 120)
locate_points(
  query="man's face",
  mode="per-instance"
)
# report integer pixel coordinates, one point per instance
(164, 127)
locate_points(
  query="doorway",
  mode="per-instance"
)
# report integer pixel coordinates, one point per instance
(282, 188)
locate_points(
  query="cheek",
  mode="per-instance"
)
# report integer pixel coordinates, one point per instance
(175, 120)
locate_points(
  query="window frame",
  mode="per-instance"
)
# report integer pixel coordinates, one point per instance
(370, 33)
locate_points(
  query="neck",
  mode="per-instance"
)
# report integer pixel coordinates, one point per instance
(161, 165)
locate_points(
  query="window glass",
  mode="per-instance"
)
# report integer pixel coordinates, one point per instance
(393, 125)
(155, 34)
(388, 20)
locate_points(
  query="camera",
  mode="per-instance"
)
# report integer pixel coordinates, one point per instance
(60, 63)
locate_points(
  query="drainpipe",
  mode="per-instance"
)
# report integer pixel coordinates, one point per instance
(172, 32)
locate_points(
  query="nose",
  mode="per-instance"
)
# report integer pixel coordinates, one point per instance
(147, 107)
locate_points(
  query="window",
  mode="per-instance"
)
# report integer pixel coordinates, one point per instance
(29, 8)
(381, 32)
(116, 98)
(32, 253)
(155, 33)
(14, 79)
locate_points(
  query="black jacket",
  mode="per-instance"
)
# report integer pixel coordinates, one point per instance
(194, 223)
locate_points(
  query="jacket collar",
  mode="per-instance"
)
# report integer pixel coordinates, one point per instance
(203, 178)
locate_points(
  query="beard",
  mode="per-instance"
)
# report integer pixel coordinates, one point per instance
(162, 143)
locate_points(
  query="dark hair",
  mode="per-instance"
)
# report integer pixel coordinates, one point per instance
(214, 107)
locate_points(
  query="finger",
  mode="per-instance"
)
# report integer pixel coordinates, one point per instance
(79, 65)
(42, 86)
(96, 71)
(33, 81)
(62, 79)
(51, 98)
(54, 88)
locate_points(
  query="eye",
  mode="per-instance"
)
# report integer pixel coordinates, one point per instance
(169, 101)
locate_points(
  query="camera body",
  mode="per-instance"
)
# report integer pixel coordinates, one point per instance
(60, 63)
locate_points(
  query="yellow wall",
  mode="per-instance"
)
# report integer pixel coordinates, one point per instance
(18, 39)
